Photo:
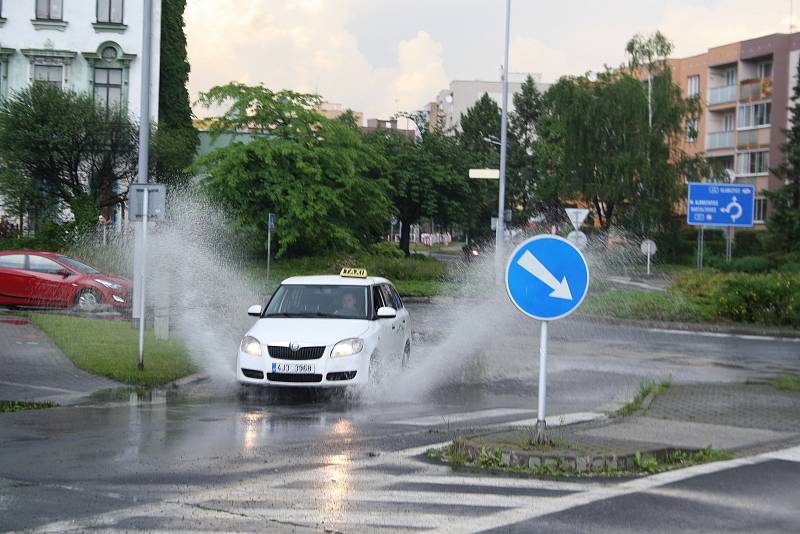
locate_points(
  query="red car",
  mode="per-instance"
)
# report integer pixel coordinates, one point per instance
(51, 280)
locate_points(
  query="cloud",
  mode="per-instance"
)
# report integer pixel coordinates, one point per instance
(305, 45)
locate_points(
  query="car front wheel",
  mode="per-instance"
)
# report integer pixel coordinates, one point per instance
(87, 300)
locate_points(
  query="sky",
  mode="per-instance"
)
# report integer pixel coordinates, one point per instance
(384, 56)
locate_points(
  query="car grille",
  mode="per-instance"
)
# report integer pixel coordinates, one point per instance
(303, 353)
(286, 377)
(345, 375)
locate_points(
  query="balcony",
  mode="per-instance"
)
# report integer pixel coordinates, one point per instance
(721, 95)
(753, 138)
(718, 140)
(755, 89)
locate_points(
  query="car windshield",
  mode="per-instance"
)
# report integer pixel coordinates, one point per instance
(340, 302)
(77, 265)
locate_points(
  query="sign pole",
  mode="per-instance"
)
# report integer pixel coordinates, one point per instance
(541, 425)
(729, 245)
(648, 258)
(141, 284)
(701, 245)
(499, 231)
(269, 249)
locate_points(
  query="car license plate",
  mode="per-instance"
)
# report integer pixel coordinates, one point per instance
(293, 368)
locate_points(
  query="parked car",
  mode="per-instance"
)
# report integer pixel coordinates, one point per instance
(50, 280)
(325, 331)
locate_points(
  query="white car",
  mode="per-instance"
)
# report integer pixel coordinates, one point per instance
(325, 331)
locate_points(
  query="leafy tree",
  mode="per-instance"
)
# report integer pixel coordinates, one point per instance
(478, 139)
(316, 174)
(57, 149)
(784, 220)
(175, 141)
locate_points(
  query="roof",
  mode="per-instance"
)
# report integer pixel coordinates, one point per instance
(334, 280)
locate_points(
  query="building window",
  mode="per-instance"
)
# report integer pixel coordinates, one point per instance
(765, 69)
(761, 210)
(754, 115)
(691, 130)
(53, 74)
(110, 11)
(693, 86)
(49, 10)
(729, 122)
(730, 77)
(108, 88)
(752, 163)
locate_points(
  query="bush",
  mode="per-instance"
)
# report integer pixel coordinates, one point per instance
(770, 299)
(747, 264)
(748, 243)
(386, 249)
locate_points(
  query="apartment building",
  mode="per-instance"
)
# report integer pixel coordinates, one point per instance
(332, 110)
(451, 103)
(92, 46)
(746, 89)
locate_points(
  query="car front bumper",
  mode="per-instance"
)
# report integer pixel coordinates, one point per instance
(327, 372)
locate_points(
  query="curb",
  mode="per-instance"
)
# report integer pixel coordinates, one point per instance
(186, 381)
(696, 327)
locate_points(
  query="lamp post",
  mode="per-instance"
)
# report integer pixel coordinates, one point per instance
(499, 233)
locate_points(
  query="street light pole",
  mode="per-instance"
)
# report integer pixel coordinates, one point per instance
(500, 231)
(144, 167)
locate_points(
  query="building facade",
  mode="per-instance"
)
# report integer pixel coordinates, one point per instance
(91, 46)
(746, 89)
(451, 103)
(334, 111)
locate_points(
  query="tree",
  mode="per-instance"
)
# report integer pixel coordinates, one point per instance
(316, 174)
(784, 220)
(479, 138)
(175, 141)
(57, 149)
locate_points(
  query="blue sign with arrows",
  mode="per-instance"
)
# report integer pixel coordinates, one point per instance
(715, 204)
(547, 277)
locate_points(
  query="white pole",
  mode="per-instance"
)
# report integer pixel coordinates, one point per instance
(141, 284)
(269, 248)
(648, 258)
(541, 426)
(144, 138)
(499, 232)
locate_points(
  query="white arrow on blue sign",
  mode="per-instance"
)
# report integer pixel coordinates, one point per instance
(547, 277)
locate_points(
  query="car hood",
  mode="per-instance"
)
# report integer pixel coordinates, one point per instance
(307, 332)
(124, 282)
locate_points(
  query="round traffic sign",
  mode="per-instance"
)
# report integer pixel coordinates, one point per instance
(578, 238)
(547, 277)
(648, 247)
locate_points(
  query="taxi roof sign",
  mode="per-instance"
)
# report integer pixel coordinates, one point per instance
(352, 272)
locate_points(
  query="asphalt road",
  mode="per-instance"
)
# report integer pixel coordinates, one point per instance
(211, 457)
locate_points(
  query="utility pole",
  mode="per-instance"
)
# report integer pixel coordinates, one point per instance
(139, 253)
(500, 231)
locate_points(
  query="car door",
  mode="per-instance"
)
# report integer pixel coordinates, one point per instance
(49, 288)
(15, 281)
(403, 317)
(385, 336)
(395, 324)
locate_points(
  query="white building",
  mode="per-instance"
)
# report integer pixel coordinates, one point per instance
(92, 46)
(463, 94)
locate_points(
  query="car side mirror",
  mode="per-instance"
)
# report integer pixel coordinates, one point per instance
(386, 313)
(254, 310)
(63, 272)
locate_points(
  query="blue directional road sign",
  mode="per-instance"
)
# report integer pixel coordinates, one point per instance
(547, 277)
(712, 204)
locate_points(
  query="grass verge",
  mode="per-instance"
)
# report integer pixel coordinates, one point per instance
(14, 406)
(111, 349)
(787, 383)
(645, 389)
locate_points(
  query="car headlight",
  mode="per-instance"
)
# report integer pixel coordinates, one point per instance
(347, 347)
(251, 346)
(109, 285)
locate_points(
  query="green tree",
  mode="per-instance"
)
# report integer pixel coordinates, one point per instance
(316, 174)
(479, 138)
(175, 141)
(57, 149)
(783, 225)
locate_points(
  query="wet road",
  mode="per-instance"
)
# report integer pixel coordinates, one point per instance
(211, 457)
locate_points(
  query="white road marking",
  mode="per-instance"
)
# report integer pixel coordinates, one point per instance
(724, 335)
(48, 388)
